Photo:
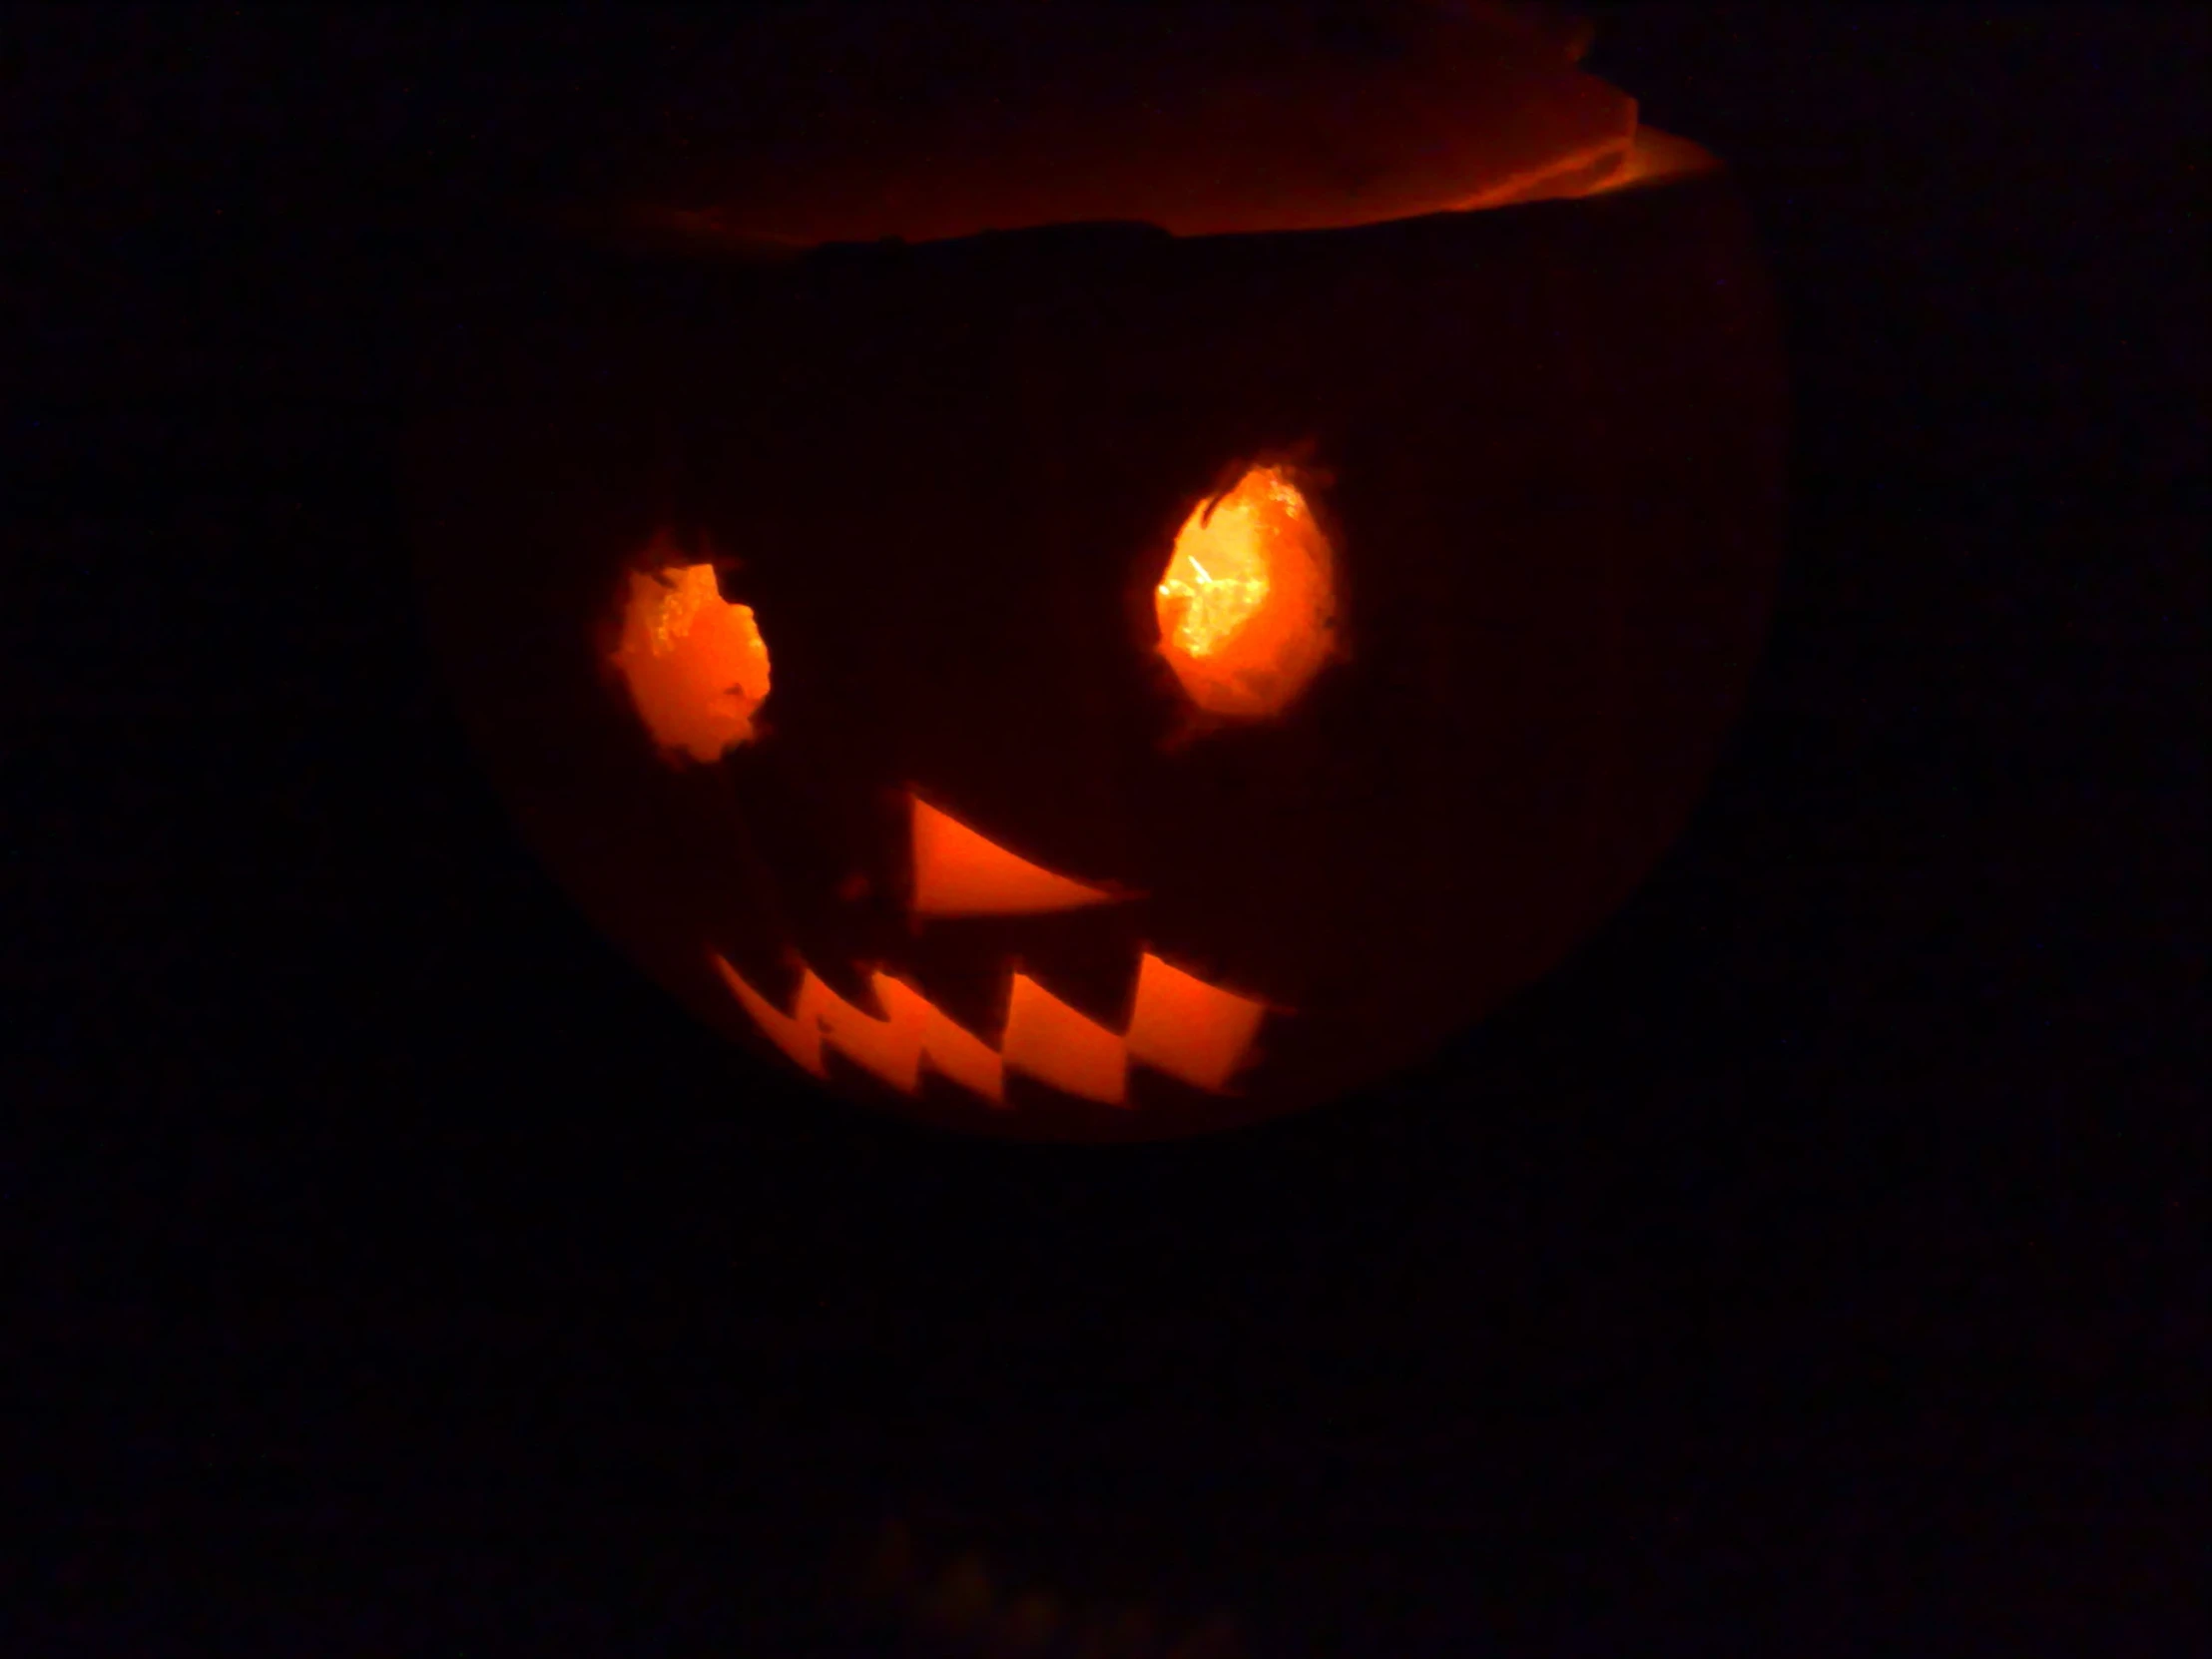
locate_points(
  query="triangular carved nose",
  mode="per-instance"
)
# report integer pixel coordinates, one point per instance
(958, 873)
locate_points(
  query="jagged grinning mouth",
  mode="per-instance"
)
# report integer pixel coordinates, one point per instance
(1178, 1024)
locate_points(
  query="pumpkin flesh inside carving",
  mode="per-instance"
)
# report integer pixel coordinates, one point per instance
(960, 873)
(1247, 605)
(696, 665)
(1178, 1024)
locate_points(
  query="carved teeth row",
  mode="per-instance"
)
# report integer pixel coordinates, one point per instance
(1178, 1024)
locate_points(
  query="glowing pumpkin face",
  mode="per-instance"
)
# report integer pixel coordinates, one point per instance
(1245, 621)
(1096, 683)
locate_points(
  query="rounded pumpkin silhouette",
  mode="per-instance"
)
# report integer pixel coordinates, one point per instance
(1095, 631)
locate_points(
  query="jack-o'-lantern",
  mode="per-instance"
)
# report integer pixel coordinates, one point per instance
(1133, 602)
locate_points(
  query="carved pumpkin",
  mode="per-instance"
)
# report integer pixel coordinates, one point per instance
(1209, 606)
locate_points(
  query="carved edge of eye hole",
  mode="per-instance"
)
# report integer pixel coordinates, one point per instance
(1248, 606)
(696, 665)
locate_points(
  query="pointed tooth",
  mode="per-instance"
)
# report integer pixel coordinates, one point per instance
(1188, 1028)
(798, 1033)
(1051, 1041)
(888, 1045)
(944, 1044)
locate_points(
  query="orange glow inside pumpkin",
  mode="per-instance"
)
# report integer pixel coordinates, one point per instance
(1179, 1025)
(892, 1045)
(1247, 605)
(958, 873)
(1189, 1029)
(696, 665)
(1048, 1039)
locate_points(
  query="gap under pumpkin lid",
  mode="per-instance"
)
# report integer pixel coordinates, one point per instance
(818, 123)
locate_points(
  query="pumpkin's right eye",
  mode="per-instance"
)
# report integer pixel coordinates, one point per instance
(696, 665)
(1247, 606)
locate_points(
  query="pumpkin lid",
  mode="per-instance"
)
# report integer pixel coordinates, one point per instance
(815, 124)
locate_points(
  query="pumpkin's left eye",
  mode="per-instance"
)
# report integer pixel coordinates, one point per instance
(696, 665)
(1247, 606)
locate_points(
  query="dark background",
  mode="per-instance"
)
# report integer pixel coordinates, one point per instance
(1812, 1267)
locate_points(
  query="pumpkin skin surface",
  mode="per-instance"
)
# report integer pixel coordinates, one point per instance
(1538, 446)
